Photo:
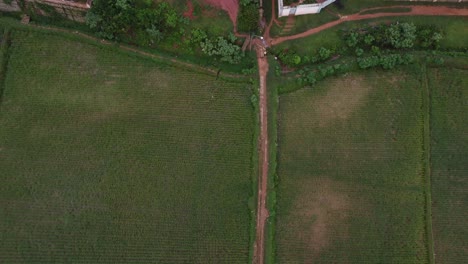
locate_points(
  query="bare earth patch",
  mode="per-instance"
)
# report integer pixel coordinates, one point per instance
(346, 96)
(320, 214)
(230, 6)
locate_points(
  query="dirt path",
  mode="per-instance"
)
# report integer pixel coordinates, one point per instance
(415, 11)
(230, 6)
(262, 211)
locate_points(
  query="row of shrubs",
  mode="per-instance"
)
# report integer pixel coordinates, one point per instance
(375, 40)
(152, 24)
(381, 46)
(394, 36)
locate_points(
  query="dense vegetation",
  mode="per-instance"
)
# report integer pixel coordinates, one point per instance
(147, 22)
(248, 16)
(153, 24)
(376, 40)
(108, 157)
(383, 46)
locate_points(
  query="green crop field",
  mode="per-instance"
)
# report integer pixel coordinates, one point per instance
(449, 127)
(351, 186)
(106, 157)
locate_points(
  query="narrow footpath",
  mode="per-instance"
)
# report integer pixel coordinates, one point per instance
(262, 211)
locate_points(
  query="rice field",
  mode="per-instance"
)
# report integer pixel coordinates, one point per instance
(351, 183)
(111, 158)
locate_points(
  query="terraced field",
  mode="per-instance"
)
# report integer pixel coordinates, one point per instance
(351, 180)
(111, 158)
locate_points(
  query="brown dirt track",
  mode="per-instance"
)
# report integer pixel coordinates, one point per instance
(415, 11)
(230, 6)
(262, 211)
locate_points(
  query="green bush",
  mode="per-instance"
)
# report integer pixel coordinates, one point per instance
(222, 48)
(247, 19)
(141, 22)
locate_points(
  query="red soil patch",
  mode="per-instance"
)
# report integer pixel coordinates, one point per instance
(230, 6)
(189, 12)
(415, 11)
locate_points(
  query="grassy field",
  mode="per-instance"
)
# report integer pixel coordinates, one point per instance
(449, 126)
(351, 177)
(456, 33)
(110, 158)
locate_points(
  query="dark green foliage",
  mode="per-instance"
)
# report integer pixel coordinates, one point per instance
(310, 76)
(324, 53)
(289, 58)
(401, 35)
(429, 36)
(153, 24)
(387, 61)
(223, 48)
(247, 19)
(4, 46)
(146, 23)
(394, 36)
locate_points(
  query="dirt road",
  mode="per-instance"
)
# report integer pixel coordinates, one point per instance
(262, 211)
(415, 11)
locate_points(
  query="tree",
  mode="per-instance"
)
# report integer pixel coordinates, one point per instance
(324, 53)
(402, 35)
(352, 39)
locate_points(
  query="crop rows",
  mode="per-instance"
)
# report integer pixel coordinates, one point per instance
(111, 158)
(351, 187)
(449, 90)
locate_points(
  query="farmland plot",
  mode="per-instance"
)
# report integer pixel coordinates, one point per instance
(449, 128)
(107, 158)
(351, 186)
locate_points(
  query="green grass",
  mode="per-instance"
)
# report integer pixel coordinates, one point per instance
(449, 90)
(107, 157)
(456, 33)
(273, 103)
(328, 14)
(302, 23)
(351, 186)
(4, 46)
(387, 10)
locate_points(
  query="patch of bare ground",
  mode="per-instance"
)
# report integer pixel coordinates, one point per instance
(320, 215)
(337, 102)
(344, 97)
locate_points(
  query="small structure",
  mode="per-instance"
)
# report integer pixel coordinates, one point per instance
(301, 9)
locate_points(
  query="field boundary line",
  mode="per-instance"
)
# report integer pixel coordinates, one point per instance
(254, 175)
(273, 108)
(4, 59)
(81, 36)
(427, 164)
